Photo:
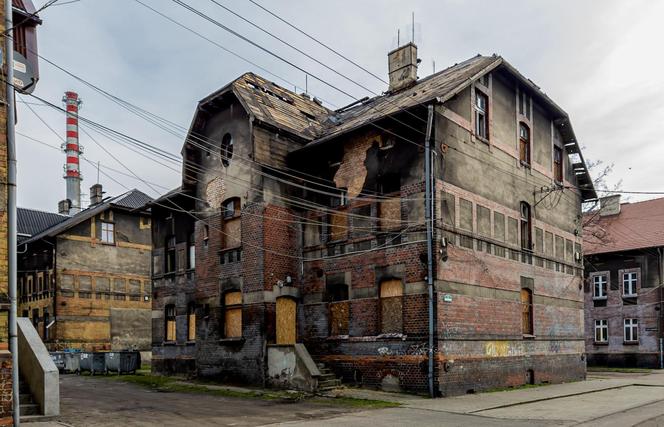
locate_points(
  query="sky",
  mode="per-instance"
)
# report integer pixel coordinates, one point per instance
(599, 61)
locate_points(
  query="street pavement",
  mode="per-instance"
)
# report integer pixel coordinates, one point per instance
(605, 399)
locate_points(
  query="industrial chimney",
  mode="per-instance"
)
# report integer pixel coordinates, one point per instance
(402, 67)
(96, 195)
(73, 151)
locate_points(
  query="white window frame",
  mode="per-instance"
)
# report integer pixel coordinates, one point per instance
(107, 233)
(603, 326)
(631, 277)
(633, 325)
(192, 256)
(483, 111)
(603, 282)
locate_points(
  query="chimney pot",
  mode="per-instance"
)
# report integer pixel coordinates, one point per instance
(64, 206)
(96, 194)
(402, 67)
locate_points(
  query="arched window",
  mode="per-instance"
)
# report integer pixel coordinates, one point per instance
(524, 144)
(226, 149)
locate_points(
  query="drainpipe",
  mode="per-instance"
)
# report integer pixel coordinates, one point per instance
(660, 252)
(428, 218)
(11, 206)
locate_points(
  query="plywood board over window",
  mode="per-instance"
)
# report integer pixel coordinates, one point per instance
(390, 213)
(233, 314)
(286, 312)
(391, 306)
(339, 318)
(338, 226)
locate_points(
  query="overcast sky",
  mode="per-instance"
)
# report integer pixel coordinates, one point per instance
(600, 61)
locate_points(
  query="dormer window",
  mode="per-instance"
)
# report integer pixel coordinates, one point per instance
(226, 149)
(481, 115)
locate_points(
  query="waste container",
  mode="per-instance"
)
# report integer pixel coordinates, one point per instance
(58, 358)
(123, 362)
(72, 362)
(93, 362)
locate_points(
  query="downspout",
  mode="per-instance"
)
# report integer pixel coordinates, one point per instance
(660, 252)
(428, 218)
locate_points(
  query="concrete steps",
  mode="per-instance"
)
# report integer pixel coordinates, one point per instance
(27, 404)
(327, 380)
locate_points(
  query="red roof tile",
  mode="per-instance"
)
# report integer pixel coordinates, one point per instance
(637, 226)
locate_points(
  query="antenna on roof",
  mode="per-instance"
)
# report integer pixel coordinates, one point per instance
(413, 20)
(97, 172)
(433, 63)
(398, 37)
(306, 83)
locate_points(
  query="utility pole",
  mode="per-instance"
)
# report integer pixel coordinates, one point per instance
(11, 207)
(428, 218)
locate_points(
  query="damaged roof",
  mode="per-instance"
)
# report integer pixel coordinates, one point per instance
(132, 200)
(638, 226)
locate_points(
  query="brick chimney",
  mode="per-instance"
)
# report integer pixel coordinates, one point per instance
(64, 206)
(402, 67)
(96, 194)
(609, 205)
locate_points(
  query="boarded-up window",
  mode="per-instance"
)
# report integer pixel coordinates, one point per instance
(191, 322)
(85, 283)
(569, 250)
(391, 306)
(134, 287)
(483, 221)
(448, 209)
(119, 286)
(560, 247)
(170, 323)
(233, 314)
(286, 323)
(389, 211)
(336, 293)
(102, 284)
(527, 311)
(499, 226)
(548, 243)
(539, 240)
(232, 233)
(338, 226)
(512, 231)
(466, 214)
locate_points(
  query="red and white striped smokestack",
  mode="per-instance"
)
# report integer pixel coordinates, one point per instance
(73, 151)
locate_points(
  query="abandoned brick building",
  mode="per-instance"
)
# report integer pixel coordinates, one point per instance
(624, 249)
(310, 240)
(84, 280)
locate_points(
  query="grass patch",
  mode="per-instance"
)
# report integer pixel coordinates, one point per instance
(352, 402)
(623, 370)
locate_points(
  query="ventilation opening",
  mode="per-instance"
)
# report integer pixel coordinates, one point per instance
(470, 391)
(530, 377)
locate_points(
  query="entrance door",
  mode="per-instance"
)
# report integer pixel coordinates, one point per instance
(286, 309)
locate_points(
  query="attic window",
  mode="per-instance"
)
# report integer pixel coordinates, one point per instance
(226, 149)
(481, 115)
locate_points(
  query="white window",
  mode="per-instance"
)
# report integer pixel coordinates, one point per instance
(192, 255)
(629, 283)
(481, 115)
(108, 233)
(601, 331)
(599, 289)
(631, 330)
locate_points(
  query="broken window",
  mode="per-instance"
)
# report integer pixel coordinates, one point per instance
(170, 323)
(338, 226)
(527, 311)
(599, 286)
(391, 306)
(233, 314)
(388, 183)
(170, 254)
(340, 200)
(231, 227)
(226, 149)
(630, 280)
(601, 331)
(481, 115)
(206, 235)
(631, 330)
(558, 164)
(526, 234)
(230, 207)
(524, 144)
(108, 233)
(191, 322)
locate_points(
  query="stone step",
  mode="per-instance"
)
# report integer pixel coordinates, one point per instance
(25, 398)
(29, 409)
(329, 384)
(325, 377)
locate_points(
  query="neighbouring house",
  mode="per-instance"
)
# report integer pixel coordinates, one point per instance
(624, 250)
(310, 240)
(84, 280)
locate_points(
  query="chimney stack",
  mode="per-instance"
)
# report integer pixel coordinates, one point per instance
(96, 194)
(73, 151)
(402, 67)
(64, 206)
(609, 205)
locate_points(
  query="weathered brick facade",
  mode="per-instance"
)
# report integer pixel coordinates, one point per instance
(331, 215)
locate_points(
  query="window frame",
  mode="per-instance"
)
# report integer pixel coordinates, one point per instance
(634, 282)
(604, 284)
(390, 289)
(558, 165)
(481, 111)
(601, 325)
(527, 313)
(633, 325)
(104, 234)
(170, 318)
(191, 321)
(170, 252)
(524, 144)
(226, 149)
(525, 226)
(228, 308)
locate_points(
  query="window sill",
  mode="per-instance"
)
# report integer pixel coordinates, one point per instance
(190, 343)
(232, 340)
(601, 343)
(630, 343)
(169, 343)
(524, 164)
(528, 337)
(483, 139)
(630, 296)
(108, 243)
(600, 298)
